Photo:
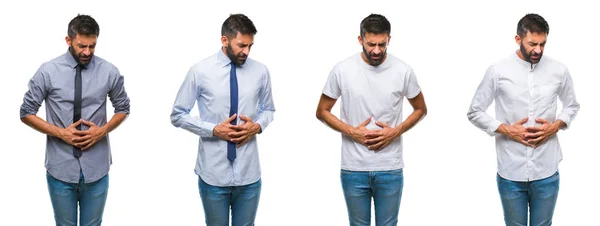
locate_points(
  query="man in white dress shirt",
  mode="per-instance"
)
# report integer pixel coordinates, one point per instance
(525, 88)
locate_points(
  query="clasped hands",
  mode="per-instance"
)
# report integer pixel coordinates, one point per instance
(83, 139)
(238, 134)
(375, 140)
(533, 136)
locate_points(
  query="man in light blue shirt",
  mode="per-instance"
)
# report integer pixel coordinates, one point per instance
(74, 87)
(235, 103)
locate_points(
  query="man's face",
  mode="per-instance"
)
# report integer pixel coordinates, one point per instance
(82, 47)
(532, 46)
(374, 47)
(238, 48)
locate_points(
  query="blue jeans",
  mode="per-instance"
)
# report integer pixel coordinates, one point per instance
(243, 201)
(385, 187)
(65, 196)
(540, 196)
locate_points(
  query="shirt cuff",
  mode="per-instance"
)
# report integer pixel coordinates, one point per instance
(493, 127)
(566, 120)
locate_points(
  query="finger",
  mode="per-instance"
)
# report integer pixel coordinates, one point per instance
(88, 146)
(243, 142)
(537, 140)
(541, 120)
(381, 124)
(525, 143)
(83, 144)
(370, 135)
(88, 123)
(239, 139)
(245, 119)
(237, 134)
(534, 135)
(374, 146)
(365, 122)
(523, 120)
(80, 139)
(533, 129)
(230, 119)
(374, 140)
(75, 124)
(81, 132)
(238, 127)
(381, 147)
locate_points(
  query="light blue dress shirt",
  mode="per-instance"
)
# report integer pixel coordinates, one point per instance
(207, 83)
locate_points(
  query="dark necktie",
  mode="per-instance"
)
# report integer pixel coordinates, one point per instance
(233, 91)
(77, 105)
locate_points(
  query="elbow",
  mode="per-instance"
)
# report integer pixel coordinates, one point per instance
(424, 110)
(319, 114)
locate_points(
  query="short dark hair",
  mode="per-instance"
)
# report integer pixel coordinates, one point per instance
(533, 23)
(237, 23)
(376, 24)
(83, 25)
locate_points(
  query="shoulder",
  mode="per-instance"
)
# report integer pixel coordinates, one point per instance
(105, 65)
(205, 64)
(256, 65)
(398, 65)
(553, 63)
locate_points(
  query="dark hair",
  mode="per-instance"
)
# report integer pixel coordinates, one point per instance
(83, 25)
(237, 23)
(533, 23)
(376, 24)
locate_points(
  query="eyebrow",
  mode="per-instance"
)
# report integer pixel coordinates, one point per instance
(82, 45)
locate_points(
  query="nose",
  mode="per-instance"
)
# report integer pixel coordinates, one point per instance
(246, 51)
(86, 51)
(537, 50)
(377, 50)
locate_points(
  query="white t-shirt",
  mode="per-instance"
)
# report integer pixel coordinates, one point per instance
(376, 91)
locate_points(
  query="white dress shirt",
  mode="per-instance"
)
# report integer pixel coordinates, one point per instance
(521, 90)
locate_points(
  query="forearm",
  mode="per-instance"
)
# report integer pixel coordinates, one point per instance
(114, 122)
(411, 121)
(335, 123)
(40, 125)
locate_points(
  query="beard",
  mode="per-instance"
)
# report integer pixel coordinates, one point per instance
(238, 59)
(374, 62)
(80, 58)
(527, 55)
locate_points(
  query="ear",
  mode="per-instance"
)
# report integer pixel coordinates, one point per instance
(68, 40)
(518, 39)
(224, 41)
(389, 38)
(360, 41)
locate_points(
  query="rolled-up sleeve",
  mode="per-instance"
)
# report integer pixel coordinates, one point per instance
(36, 93)
(118, 95)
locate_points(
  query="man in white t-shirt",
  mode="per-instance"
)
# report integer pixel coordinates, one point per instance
(372, 85)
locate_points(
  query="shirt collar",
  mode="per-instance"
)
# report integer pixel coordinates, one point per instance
(527, 65)
(222, 58)
(73, 63)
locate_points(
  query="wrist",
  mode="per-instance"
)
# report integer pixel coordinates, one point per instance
(104, 130)
(398, 131)
(502, 129)
(256, 128)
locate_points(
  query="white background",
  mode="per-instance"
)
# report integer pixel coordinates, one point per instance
(450, 164)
